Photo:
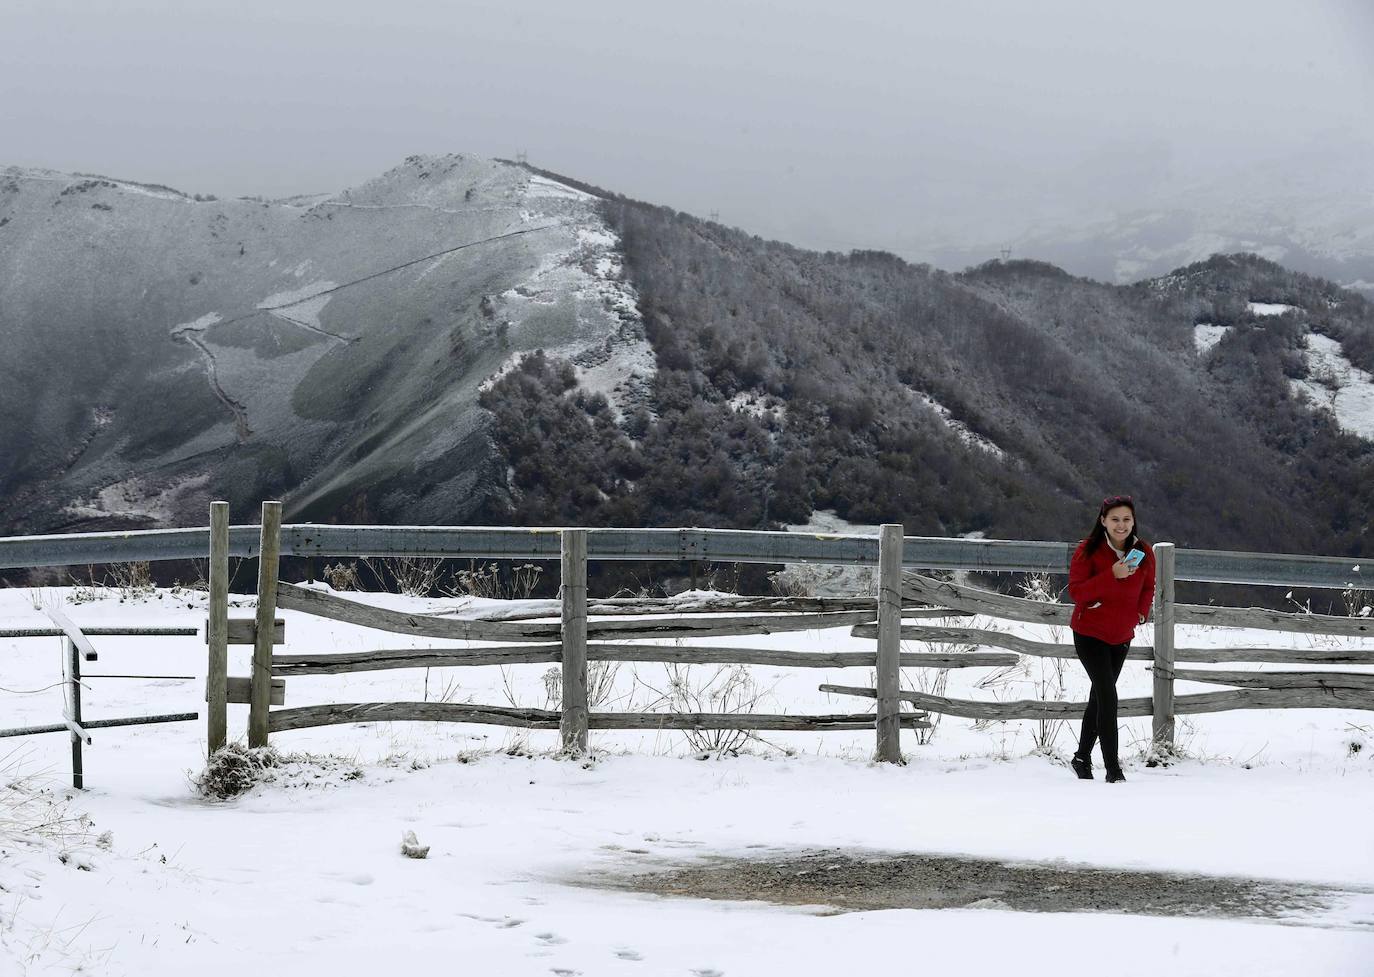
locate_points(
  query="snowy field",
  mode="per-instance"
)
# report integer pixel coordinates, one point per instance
(304, 876)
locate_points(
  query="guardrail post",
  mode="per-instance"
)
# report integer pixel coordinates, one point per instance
(217, 630)
(268, 556)
(573, 724)
(74, 712)
(1162, 709)
(889, 644)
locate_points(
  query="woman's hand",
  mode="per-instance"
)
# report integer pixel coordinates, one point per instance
(1121, 569)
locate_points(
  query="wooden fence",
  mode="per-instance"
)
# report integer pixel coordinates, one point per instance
(582, 632)
(1255, 689)
(572, 641)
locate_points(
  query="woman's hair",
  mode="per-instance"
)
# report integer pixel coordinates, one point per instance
(1099, 533)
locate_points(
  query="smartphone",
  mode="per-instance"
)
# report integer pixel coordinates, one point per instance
(1134, 558)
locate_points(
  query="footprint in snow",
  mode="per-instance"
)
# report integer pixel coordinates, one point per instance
(625, 953)
(565, 971)
(550, 939)
(708, 972)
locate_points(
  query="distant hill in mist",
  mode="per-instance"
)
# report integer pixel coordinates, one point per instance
(1314, 215)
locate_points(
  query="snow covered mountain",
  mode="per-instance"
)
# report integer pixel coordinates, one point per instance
(363, 357)
(161, 349)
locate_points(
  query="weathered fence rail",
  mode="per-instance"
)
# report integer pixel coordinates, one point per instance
(1287, 698)
(304, 717)
(328, 663)
(983, 638)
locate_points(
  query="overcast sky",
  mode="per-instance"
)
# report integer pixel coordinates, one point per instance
(838, 124)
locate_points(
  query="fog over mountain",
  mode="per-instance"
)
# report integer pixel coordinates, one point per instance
(1313, 212)
(1118, 140)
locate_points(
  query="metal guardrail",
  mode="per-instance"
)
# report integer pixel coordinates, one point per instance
(713, 545)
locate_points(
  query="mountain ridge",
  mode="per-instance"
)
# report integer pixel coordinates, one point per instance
(389, 353)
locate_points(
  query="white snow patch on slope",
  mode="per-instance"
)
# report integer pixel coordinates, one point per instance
(622, 369)
(596, 237)
(1207, 334)
(143, 190)
(1270, 308)
(822, 580)
(759, 406)
(1339, 386)
(139, 499)
(620, 363)
(197, 325)
(961, 430)
(544, 187)
(299, 306)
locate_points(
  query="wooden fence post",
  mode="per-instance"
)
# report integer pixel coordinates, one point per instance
(573, 724)
(889, 644)
(268, 555)
(217, 630)
(1162, 708)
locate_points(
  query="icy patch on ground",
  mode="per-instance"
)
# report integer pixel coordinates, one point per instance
(1339, 386)
(1206, 335)
(544, 187)
(1270, 308)
(961, 430)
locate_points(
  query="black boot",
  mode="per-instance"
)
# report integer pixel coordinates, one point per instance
(1115, 776)
(1082, 767)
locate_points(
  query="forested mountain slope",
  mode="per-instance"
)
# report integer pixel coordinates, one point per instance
(466, 340)
(1004, 400)
(160, 350)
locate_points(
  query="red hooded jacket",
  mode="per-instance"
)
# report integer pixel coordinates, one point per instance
(1104, 607)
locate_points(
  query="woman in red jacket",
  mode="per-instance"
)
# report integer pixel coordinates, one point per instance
(1111, 598)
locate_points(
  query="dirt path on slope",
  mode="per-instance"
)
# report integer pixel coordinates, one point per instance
(849, 882)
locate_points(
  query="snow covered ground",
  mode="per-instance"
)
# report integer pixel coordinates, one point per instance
(304, 876)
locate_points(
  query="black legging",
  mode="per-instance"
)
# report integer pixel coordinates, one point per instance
(1103, 663)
